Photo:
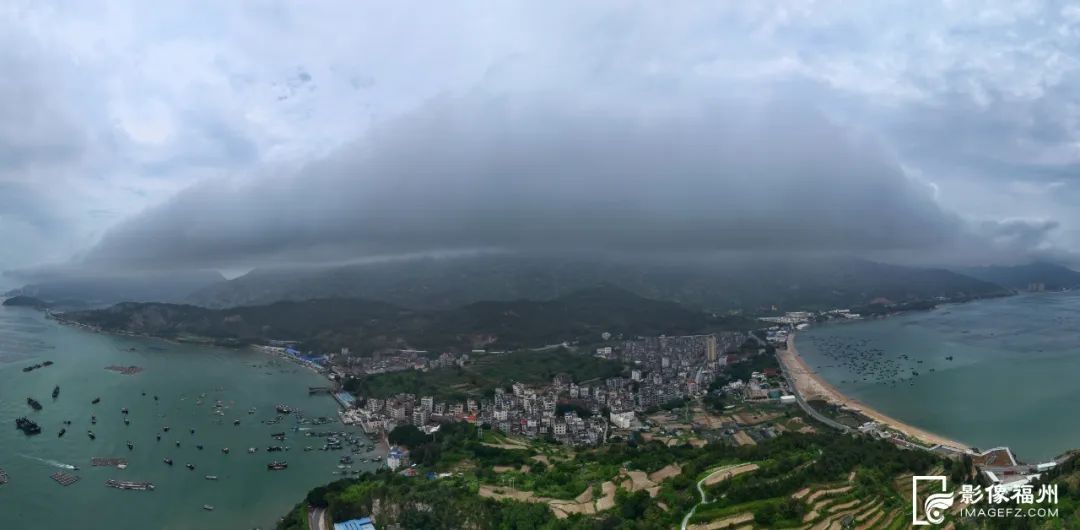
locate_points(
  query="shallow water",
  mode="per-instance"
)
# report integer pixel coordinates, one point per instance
(246, 494)
(1012, 379)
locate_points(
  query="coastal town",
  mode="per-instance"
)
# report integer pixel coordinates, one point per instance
(661, 397)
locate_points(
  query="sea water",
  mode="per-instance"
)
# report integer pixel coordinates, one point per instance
(188, 381)
(1013, 378)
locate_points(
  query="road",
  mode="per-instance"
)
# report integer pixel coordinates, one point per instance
(701, 492)
(317, 519)
(802, 402)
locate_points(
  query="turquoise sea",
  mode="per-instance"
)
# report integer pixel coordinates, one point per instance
(1013, 378)
(188, 381)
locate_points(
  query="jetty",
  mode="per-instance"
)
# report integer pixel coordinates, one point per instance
(101, 461)
(64, 479)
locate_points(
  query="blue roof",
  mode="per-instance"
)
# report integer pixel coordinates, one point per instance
(356, 524)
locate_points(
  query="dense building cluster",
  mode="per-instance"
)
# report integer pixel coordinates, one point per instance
(664, 369)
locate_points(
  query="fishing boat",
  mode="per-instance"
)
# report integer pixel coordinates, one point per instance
(55, 391)
(126, 485)
(236, 422)
(168, 461)
(34, 404)
(190, 466)
(27, 426)
(130, 445)
(225, 450)
(210, 477)
(93, 420)
(61, 433)
(251, 450)
(277, 466)
(208, 507)
(124, 410)
(95, 401)
(91, 434)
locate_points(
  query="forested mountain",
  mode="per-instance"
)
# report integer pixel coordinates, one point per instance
(1021, 277)
(71, 291)
(328, 324)
(713, 285)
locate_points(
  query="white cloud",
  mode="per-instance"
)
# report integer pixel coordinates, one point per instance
(144, 99)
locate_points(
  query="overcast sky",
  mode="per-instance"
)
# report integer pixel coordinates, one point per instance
(229, 135)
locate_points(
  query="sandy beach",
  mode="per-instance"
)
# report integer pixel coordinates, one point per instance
(810, 386)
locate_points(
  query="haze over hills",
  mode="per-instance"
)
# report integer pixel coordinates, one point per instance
(1050, 276)
(716, 285)
(72, 291)
(329, 324)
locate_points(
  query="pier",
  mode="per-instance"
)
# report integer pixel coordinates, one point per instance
(64, 479)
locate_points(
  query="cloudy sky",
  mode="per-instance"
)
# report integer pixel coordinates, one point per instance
(228, 135)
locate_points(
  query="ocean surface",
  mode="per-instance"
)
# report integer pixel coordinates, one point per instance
(1013, 378)
(188, 380)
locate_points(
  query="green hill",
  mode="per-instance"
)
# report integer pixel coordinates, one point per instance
(715, 285)
(364, 325)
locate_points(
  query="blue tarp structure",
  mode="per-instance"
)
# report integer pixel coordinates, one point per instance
(356, 524)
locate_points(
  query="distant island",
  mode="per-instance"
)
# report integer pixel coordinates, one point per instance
(26, 301)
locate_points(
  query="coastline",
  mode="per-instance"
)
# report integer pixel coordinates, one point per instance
(810, 385)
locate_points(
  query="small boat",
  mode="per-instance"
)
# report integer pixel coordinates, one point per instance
(91, 434)
(55, 391)
(93, 420)
(61, 433)
(159, 437)
(199, 447)
(168, 461)
(33, 403)
(236, 422)
(210, 477)
(127, 421)
(190, 466)
(130, 445)
(27, 426)
(273, 448)
(95, 401)
(165, 428)
(192, 431)
(155, 398)
(251, 450)
(124, 410)
(208, 507)
(67, 422)
(225, 450)
(276, 466)
(178, 443)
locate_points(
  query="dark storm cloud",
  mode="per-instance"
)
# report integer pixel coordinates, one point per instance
(538, 173)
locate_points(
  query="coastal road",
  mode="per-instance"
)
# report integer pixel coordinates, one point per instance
(317, 519)
(802, 402)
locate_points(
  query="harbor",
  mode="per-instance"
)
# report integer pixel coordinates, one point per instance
(185, 397)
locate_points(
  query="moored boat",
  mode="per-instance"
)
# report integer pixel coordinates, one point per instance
(27, 426)
(277, 466)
